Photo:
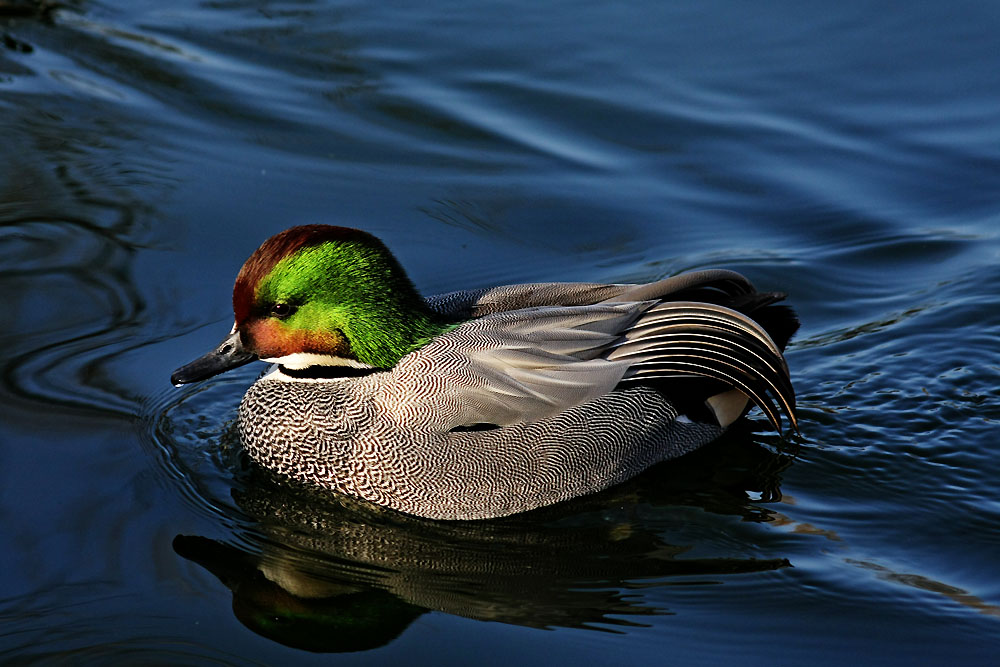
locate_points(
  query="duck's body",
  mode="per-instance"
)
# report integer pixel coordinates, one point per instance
(487, 402)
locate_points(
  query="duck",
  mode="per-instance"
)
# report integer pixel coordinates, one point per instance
(486, 402)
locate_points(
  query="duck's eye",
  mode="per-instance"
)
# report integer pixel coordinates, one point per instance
(281, 310)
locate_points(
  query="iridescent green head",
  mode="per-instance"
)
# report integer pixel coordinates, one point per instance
(321, 295)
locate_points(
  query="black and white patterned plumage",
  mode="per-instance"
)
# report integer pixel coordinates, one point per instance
(568, 378)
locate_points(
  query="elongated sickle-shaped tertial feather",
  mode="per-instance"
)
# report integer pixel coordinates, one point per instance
(683, 339)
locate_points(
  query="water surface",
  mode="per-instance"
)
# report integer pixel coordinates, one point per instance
(848, 155)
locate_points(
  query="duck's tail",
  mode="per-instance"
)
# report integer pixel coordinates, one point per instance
(713, 331)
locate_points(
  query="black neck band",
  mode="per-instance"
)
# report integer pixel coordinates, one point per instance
(321, 371)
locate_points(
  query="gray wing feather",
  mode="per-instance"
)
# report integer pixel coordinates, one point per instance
(729, 282)
(514, 367)
(477, 303)
(464, 304)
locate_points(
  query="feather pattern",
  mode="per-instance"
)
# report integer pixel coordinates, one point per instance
(516, 366)
(560, 369)
(682, 338)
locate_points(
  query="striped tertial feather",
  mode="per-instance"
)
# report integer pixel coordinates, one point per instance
(680, 339)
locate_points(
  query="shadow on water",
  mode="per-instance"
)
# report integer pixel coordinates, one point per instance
(327, 573)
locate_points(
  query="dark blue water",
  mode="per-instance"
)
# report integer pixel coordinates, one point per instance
(848, 154)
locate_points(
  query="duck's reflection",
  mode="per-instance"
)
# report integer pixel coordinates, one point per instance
(327, 573)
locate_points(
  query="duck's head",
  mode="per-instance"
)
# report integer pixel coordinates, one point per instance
(319, 295)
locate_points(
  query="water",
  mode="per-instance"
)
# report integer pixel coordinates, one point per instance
(847, 154)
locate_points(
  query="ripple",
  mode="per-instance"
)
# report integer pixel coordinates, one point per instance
(847, 157)
(60, 361)
(84, 621)
(192, 434)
